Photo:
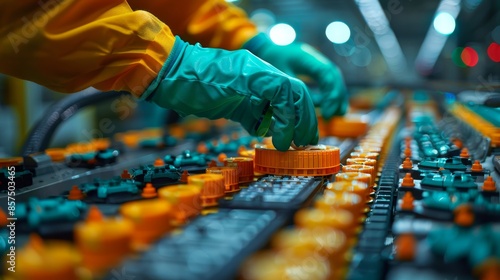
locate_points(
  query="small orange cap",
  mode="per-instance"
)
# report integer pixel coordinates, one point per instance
(184, 176)
(3, 218)
(464, 153)
(407, 164)
(489, 184)
(212, 163)
(125, 174)
(159, 162)
(202, 148)
(407, 202)
(407, 152)
(408, 181)
(464, 216)
(94, 214)
(149, 191)
(476, 166)
(222, 157)
(406, 246)
(76, 193)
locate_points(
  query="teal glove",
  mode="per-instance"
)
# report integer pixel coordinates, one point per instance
(302, 59)
(215, 83)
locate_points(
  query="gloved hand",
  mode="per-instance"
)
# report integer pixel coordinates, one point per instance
(302, 59)
(215, 83)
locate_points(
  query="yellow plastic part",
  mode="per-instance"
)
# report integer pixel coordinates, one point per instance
(103, 243)
(46, 260)
(185, 200)
(329, 243)
(333, 218)
(151, 220)
(211, 185)
(348, 126)
(268, 265)
(314, 162)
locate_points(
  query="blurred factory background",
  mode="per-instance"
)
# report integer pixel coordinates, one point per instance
(446, 45)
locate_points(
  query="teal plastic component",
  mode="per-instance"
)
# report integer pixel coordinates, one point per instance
(53, 210)
(154, 174)
(452, 164)
(187, 158)
(115, 185)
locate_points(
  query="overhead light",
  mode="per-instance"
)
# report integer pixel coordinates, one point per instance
(338, 32)
(444, 23)
(384, 36)
(437, 35)
(282, 34)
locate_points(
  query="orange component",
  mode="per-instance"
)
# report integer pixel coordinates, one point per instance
(408, 181)
(343, 200)
(406, 247)
(314, 162)
(159, 162)
(202, 148)
(333, 218)
(212, 187)
(489, 269)
(212, 163)
(149, 191)
(458, 143)
(235, 135)
(368, 148)
(100, 143)
(151, 219)
(185, 200)
(407, 152)
(348, 126)
(80, 148)
(489, 184)
(103, 243)
(464, 215)
(329, 243)
(184, 177)
(407, 202)
(353, 176)
(407, 164)
(6, 162)
(56, 154)
(50, 260)
(177, 131)
(3, 218)
(354, 186)
(222, 157)
(224, 139)
(245, 168)
(125, 174)
(94, 214)
(464, 153)
(476, 166)
(230, 175)
(361, 169)
(76, 193)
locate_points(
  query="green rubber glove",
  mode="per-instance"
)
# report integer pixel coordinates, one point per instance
(236, 85)
(302, 59)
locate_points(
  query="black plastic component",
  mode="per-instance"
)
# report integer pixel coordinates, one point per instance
(273, 192)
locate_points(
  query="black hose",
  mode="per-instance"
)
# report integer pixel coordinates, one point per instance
(41, 134)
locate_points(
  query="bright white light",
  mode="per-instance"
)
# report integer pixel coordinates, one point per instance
(444, 23)
(282, 34)
(338, 32)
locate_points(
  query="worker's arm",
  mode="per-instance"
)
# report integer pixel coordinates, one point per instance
(217, 23)
(70, 45)
(213, 23)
